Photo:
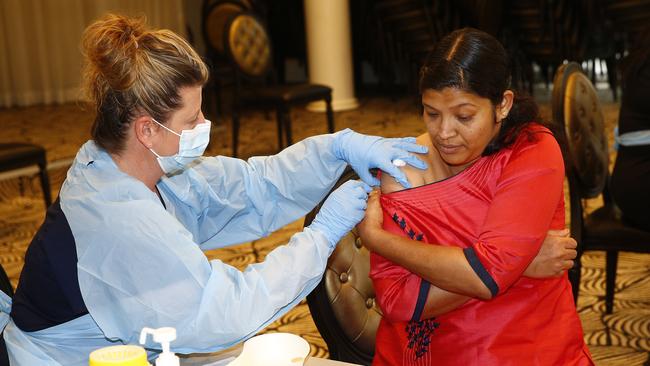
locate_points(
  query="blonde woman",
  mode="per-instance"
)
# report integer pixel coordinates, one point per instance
(121, 249)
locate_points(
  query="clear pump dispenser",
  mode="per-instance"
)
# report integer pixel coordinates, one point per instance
(164, 336)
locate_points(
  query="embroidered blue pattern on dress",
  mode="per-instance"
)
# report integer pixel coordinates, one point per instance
(411, 234)
(419, 335)
(418, 331)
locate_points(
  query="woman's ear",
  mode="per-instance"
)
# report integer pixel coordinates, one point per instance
(145, 130)
(503, 109)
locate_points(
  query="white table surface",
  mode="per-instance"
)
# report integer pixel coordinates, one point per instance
(313, 361)
(224, 357)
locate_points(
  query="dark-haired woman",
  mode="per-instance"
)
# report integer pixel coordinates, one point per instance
(452, 259)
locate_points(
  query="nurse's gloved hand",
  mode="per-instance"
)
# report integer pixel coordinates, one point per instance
(364, 152)
(342, 210)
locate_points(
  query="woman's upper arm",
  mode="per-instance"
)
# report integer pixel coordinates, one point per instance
(416, 177)
(389, 184)
(526, 199)
(396, 289)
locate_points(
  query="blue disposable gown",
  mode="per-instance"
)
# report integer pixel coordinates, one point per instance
(141, 264)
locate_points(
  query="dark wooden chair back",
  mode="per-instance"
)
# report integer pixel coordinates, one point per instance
(579, 118)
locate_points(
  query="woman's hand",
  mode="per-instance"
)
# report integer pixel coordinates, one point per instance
(555, 256)
(343, 209)
(371, 225)
(365, 152)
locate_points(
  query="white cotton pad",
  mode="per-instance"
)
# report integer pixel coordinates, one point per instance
(399, 162)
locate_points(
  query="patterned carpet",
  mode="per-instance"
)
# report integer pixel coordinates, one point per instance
(622, 338)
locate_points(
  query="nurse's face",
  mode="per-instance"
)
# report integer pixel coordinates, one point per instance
(184, 118)
(460, 124)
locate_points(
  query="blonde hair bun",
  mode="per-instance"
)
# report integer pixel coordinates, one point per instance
(110, 47)
(132, 70)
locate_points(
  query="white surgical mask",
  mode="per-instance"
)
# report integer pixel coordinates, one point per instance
(191, 146)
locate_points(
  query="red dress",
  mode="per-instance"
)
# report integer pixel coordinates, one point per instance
(499, 210)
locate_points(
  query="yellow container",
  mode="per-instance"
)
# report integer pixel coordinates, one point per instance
(119, 356)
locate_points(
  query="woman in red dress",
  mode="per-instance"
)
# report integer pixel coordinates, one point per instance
(451, 256)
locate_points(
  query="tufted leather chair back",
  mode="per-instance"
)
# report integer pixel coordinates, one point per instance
(247, 45)
(343, 305)
(577, 110)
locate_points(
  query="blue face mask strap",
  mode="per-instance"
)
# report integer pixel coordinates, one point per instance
(165, 127)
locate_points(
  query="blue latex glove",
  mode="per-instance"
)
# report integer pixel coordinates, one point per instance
(364, 152)
(342, 210)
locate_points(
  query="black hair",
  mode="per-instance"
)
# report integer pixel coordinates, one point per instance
(474, 61)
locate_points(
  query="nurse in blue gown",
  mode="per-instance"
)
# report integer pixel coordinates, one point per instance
(122, 247)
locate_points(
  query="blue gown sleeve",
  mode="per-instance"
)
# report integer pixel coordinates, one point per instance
(138, 266)
(224, 201)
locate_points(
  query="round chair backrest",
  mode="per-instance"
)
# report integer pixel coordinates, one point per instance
(343, 305)
(215, 17)
(577, 110)
(247, 45)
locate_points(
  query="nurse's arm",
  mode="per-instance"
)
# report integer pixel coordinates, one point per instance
(161, 278)
(251, 199)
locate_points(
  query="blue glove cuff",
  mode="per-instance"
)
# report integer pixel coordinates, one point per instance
(332, 240)
(338, 143)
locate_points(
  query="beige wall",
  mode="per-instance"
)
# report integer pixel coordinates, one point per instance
(40, 58)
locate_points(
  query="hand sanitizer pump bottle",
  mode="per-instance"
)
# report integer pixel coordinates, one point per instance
(164, 336)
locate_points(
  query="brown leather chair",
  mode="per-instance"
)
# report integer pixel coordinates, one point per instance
(580, 122)
(247, 45)
(21, 155)
(343, 305)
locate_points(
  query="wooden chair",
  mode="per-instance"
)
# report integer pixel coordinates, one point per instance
(577, 112)
(20, 155)
(343, 305)
(15, 156)
(214, 16)
(247, 45)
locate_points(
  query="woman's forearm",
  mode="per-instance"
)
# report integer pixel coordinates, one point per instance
(440, 302)
(554, 258)
(443, 266)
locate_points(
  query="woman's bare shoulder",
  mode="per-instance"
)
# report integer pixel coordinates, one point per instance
(415, 176)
